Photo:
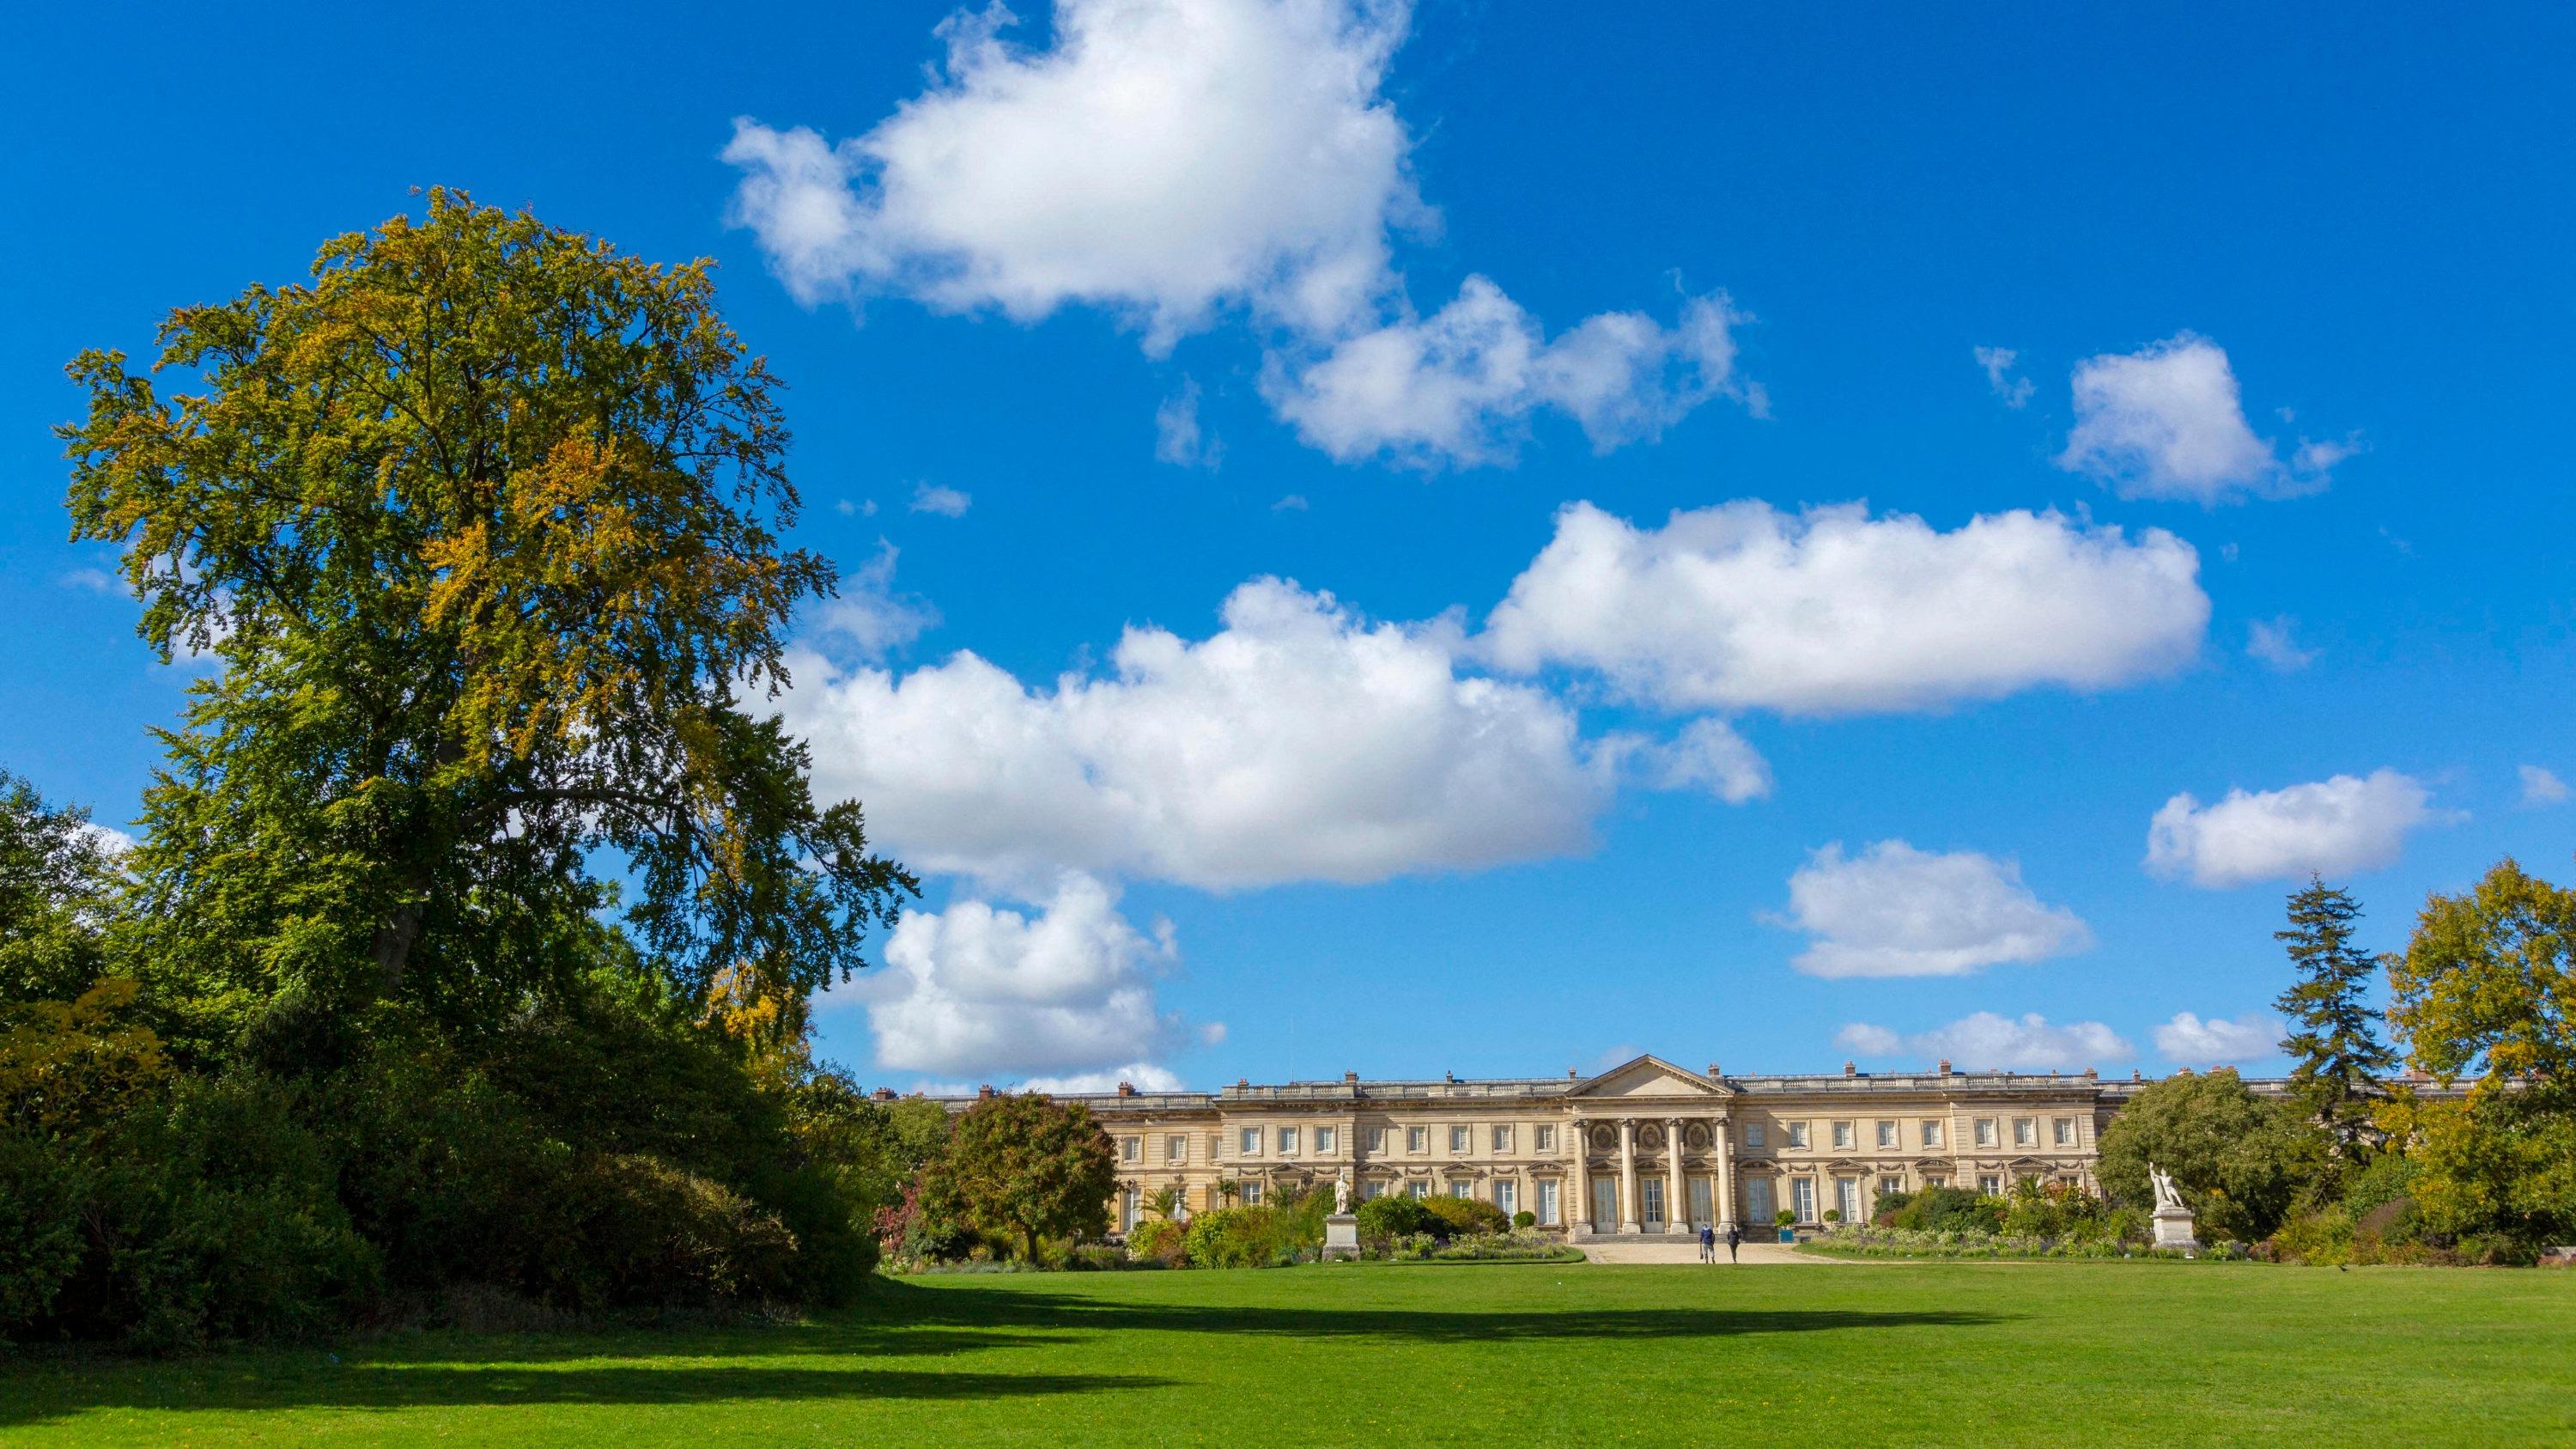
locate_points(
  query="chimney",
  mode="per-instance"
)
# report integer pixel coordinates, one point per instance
(1350, 1079)
(2136, 1076)
(1450, 1077)
(2091, 1075)
(1243, 1081)
(984, 1093)
(1713, 1071)
(1850, 1070)
(882, 1094)
(1126, 1089)
(1945, 1066)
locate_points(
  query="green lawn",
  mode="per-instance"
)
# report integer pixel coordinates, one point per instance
(1490, 1355)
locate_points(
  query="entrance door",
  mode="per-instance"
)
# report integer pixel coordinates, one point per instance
(1847, 1197)
(1652, 1190)
(1605, 1205)
(1757, 1201)
(1700, 1215)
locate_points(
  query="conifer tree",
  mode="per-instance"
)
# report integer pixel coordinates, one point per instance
(2339, 1056)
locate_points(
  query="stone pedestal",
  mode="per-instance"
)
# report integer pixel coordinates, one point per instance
(2174, 1229)
(1341, 1236)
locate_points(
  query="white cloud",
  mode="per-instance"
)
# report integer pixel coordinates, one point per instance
(1984, 1040)
(1177, 163)
(1894, 910)
(1709, 755)
(977, 989)
(2331, 827)
(944, 501)
(2189, 1041)
(1300, 742)
(1830, 611)
(1290, 503)
(1162, 160)
(1997, 362)
(2167, 422)
(2541, 786)
(95, 581)
(1177, 437)
(2275, 642)
(116, 843)
(868, 615)
(1459, 387)
(1143, 1076)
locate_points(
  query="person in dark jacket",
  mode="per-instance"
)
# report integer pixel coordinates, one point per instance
(1707, 1244)
(1734, 1239)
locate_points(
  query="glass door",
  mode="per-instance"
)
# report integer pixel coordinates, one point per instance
(1605, 1205)
(1700, 1215)
(1847, 1197)
(1758, 1204)
(1652, 1190)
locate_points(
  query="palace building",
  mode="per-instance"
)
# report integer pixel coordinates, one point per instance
(1645, 1148)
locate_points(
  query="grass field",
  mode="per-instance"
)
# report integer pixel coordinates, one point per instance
(1490, 1355)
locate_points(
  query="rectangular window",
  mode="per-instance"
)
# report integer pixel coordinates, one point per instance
(1176, 1148)
(1802, 1198)
(1507, 1196)
(1605, 1204)
(1127, 1211)
(1461, 1187)
(1651, 1190)
(1458, 1140)
(1131, 1149)
(1842, 1134)
(1252, 1194)
(1847, 1198)
(1287, 1141)
(2065, 1130)
(1887, 1134)
(1752, 1134)
(1797, 1134)
(1990, 1185)
(1985, 1132)
(1547, 1201)
(2025, 1132)
(1324, 1139)
(1757, 1200)
(1417, 1139)
(1370, 1188)
(1251, 1142)
(1888, 1185)
(1502, 1139)
(1417, 1189)
(1936, 1182)
(1931, 1134)
(1377, 1139)
(1700, 1201)
(1545, 1140)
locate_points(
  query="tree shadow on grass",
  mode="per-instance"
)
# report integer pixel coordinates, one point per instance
(398, 1386)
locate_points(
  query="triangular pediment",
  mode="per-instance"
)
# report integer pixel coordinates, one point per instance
(1648, 1076)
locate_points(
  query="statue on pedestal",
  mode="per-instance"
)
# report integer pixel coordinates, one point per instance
(2167, 1195)
(2174, 1225)
(1341, 1195)
(1341, 1230)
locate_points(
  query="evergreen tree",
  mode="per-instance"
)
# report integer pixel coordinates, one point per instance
(2340, 1058)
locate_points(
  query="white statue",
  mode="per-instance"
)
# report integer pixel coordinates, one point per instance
(1341, 1196)
(2167, 1195)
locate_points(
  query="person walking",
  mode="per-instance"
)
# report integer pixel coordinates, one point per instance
(1707, 1243)
(1734, 1239)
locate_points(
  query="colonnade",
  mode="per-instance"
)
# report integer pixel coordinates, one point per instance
(1720, 1160)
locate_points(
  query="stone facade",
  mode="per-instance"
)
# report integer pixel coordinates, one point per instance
(1647, 1147)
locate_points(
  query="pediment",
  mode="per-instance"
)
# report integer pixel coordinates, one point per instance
(1649, 1077)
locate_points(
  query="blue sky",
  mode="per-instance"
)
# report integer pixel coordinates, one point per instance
(1836, 725)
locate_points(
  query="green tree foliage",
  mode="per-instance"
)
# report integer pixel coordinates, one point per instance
(2239, 1160)
(1021, 1167)
(2486, 991)
(58, 880)
(2339, 1059)
(481, 524)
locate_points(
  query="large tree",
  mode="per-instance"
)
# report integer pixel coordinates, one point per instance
(2339, 1061)
(1023, 1166)
(58, 876)
(481, 529)
(2239, 1160)
(2487, 991)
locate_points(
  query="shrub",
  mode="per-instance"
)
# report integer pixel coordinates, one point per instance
(1157, 1240)
(1467, 1215)
(1833, 1215)
(1524, 1219)
(1235, 1237)
(1947, 1209)
(1393, 1216)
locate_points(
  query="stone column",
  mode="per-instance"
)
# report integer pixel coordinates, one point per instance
(1579, 1211)
(1628, 1221)
(1726, 1209)
(1676, 1185)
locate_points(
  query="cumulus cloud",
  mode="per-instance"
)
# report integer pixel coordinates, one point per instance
(1709, 755)
(977, 989)
(2541, 786)
(1894, 910)
(2331, 827)
(2168, 422)
(1998, 362)
(2275, 642)
(1177, 437)
(1984, 1040)
(1181, 162)
(1834, 612)
(2189, 1041)
(1460, 386)
(1299, 742)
